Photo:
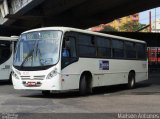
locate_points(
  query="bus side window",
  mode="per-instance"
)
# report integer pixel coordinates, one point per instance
(66, 48)
(68, 51)
(15, 43)
(5, 51)
(65, 52)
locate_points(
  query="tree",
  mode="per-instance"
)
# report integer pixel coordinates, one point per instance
(131, 26)
(108, 29)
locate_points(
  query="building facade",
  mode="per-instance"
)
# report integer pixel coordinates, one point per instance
(156, 25)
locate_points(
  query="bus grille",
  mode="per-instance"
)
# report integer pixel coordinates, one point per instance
(34, 77)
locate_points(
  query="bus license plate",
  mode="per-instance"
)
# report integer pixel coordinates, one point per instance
(29, 84)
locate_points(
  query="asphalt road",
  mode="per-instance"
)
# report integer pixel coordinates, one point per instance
(105, 102)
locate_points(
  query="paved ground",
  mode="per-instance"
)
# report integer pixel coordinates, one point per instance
(145, 98)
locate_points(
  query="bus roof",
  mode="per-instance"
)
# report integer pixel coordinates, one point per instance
(12, 38)
(65, 29)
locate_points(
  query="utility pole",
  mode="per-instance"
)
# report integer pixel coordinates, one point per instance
(155, 21)
(150, 21)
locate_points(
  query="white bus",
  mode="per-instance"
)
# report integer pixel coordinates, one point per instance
(6, 56)
(60, 58)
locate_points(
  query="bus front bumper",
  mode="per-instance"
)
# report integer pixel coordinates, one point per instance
(50, 84)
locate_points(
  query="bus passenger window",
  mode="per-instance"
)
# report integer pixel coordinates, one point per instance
(117, 49)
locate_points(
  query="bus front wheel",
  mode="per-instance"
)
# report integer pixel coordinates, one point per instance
(10, 79)
(83, 85)
(46, 92)
(131, 80)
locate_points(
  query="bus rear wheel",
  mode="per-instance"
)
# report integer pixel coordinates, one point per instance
(131, 80)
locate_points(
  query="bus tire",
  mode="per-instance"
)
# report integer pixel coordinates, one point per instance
(131, 80)
(83, 86)
(46, 92)
(10, 79)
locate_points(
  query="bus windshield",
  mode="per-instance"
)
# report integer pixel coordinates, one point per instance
(39, 48)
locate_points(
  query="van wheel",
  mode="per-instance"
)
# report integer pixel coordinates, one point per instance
(83, 86)
(131, 81)
(46, 92)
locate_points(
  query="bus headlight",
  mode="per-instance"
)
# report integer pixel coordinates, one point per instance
(52, 74)
(15, 75)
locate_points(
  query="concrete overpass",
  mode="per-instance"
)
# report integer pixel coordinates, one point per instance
(20, 15)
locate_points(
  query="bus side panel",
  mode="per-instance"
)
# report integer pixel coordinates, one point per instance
(116, 72)
(5, 67)
(73, 72)
(119, 70)
(70, 81)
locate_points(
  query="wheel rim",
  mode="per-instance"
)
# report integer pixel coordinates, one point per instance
(132, 82)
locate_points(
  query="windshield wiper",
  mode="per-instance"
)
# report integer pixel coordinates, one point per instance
(38, 51)
(30, 54)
